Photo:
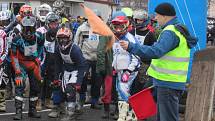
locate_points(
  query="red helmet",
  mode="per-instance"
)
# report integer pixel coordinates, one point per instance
(119, 25)
(64, 37)
(25, 10)
(120, 20)
(64, 33)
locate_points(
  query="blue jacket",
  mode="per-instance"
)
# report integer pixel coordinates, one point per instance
(167, 42)
(74, 27)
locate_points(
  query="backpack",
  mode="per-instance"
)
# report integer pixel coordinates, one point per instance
(191, 40)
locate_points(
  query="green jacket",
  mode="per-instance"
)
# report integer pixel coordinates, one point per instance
(104, 58)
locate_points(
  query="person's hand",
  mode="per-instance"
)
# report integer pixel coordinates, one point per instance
(77, 87)
(41, 81)
(18, 18)
(56, 83)
(124, 44)
(187, 85)
(1, 62)
(114, 72)
(18, 73)
(19, 81)
(125, 76)
(38, 61)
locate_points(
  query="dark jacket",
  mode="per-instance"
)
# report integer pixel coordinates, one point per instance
(80, 63)
(104, 57)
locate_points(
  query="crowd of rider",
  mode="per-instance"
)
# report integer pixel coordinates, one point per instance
(60, 57)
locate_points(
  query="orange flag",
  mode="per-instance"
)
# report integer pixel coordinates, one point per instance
(98, 26)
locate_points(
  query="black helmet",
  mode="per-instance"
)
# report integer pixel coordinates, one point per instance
(58, 7)
(58, 4)
(52, 17)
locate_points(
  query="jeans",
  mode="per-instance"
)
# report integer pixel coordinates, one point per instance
(95, 83)
(168, 104)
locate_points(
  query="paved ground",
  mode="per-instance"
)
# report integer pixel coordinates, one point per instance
(89, 114)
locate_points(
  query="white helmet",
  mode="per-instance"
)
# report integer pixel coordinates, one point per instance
(5, 15)
(140, 14)
(5, 18)
(43, 10)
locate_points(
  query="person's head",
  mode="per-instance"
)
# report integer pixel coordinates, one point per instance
(52, 23)
(58, 7)
(43, 10)
(28, 24)
(64, 38)
(25, 10)
(153, 21)
(80, 19)
(164, 13)
(72, 19)
(119, 25)
(5, 18)
(141, 18)
(129, 13)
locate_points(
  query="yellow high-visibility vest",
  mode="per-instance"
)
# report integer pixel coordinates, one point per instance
(173, 66)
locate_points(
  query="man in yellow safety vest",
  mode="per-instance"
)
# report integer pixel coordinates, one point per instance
(170, 60)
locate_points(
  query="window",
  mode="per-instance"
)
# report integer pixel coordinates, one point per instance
(11, 6)
(69, 9)
(4, 6)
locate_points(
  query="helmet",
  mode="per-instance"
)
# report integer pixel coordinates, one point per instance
(58, 4)
(28, 24)
(140, 14)
(117, 13)
(43, 10)
(119, 25)
(58, 7)
(52, 23)
(51, 17)
(141, 18)
(64, 38)
(25, 10)
(128, 11)
(5, 17)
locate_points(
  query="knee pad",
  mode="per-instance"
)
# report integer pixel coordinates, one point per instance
(70, 93)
